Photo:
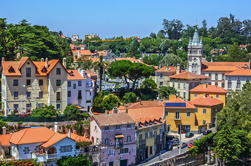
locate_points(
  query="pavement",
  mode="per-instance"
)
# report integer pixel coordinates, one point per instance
(172, 153)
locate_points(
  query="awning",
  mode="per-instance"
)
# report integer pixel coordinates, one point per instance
(119, 136)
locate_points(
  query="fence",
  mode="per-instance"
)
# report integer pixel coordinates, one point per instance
(32, 119)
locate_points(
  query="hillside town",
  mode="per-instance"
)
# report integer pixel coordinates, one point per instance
(178, 97)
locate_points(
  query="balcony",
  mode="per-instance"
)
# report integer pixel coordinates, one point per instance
(44, 157)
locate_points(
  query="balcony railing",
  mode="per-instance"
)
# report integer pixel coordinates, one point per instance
(44, 157)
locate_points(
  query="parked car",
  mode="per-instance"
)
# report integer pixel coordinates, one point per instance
(175, 141)
(183, 145)
(207, 132)
(190, 145)
(189, 135)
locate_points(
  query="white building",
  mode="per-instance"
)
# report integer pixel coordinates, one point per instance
(236, 79)
(80, 89)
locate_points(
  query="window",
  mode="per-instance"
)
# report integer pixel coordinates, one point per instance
(15, 82)
(111, 163)
(41, 82)
(58, 106)
(140, 137)
(217, 96)
(204, 111)
(195, 95)
(124, 150)
(28, 72)
(129, 139)
(41, 94)
(40, 105)
(160, 83)
(223, 85)
(79, 83)
(229, 85)
(184, 85)
(161, 75)
(15, 94)
(196, 111)
(184, 94)
(69, 94)
(168, 127)
(58, 82)
(178, 85)
(177, 115)
(79, 94)
(67, 148)
(111, 152)
(58, 96)
(188, 113)
(151, 150)
(128, 126)
(204, 122)
(15, 106)
(107, 141)
(209, 75)
(26, 150)
(106, 127)
(166, 113)
(216, 83)
(69, 83)
(28, 82)
(146, 135)
(216, 76)
(117, 126)
(58, 71)
(151, 134)
(28, 94)
(28, 107)
(238, 84)
(74, 86)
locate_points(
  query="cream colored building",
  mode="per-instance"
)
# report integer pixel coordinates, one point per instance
(162, 75)
(27, 84)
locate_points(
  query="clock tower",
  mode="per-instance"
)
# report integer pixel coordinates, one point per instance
(195, 52)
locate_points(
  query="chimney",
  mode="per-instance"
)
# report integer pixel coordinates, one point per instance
(115, 110)
(140, 102)
(126, 107)
(46, 63)
(178, 69)
(107, 112)
(56, 126)
(42, 59)
(64, 62)
(249, 63)
(172, 97)
(2, 58)
(69, 133)
(4, 130)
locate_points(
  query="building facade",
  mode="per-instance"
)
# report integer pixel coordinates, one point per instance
(162, 75)
(114, 134)
(80, 89)
(27, 84)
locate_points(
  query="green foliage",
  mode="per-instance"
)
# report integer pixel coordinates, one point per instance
(201, 145)
(19, 163)
(153, 59)
(83, 144)
(165, 91)
(2, 124)
(171, 60)
(149, 83)
(71, 112)
(129, 97)
(235, 53)
(76, 161)
(46, 112)
(173, 28)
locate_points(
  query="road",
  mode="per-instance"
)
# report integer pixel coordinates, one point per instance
(169, 154)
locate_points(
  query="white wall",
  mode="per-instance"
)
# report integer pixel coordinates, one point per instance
(66, 142)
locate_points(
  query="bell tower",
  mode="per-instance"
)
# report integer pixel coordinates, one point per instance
(195, 53)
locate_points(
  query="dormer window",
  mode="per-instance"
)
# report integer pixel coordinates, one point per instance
(11, 70)
(44, 70)
(71, 73)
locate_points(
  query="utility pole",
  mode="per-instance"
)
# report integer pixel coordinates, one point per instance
(180, 140)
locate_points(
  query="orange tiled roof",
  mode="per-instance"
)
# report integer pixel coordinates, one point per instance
(5, 139)
(206, 101)
(16, 65)
(31, 135)
(179, 100)
(167, 69)
(94, 59)
(204, 88)
(79, 138)
(73, 74)
(188, 76)
(240, 72)
(223, 66)
(54, 139)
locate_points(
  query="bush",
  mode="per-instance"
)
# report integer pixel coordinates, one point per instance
(80, 160)
(130, 97)
(46, 111)
(71, 112)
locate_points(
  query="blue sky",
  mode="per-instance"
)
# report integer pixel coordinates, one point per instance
(109, 18)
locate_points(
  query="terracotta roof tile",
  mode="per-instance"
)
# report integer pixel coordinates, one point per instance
(167, 69)
(79, 138)
(240, 72)
(223, 66)
(73, 74)
(204, 88)
(113, 119)
(188, 105)
(206, 101)
(188, 76)
(5, 139)
(54, 139)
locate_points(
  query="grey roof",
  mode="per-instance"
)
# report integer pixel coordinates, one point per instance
(113, 119)
(196, 40)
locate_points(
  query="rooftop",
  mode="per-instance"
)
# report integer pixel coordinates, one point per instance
(224, 66)
(73, 74)
(204, 88)
(240, 72)
(166, 69)
(188, 76)
(208, 101)
(176, 102)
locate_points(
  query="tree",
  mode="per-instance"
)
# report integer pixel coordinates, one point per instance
(171, 60)
(73, 113)
(153, 35)
(100, 65)
(129, 97)
(2, 124)
(165, 91)
(76, 161)
(46, 111)
(161, 34)
(153, 59)
(133, 48)
(236, 54)
(173, 28)
(149, 83)
(164, 46)
(110, 101)
(85, 64)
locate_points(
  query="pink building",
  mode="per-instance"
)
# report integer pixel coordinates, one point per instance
(114, 135)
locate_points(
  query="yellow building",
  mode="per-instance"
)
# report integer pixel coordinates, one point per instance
(180, 115)
(208, 90)
(207, 107)
(148, 116)
(27, 84)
